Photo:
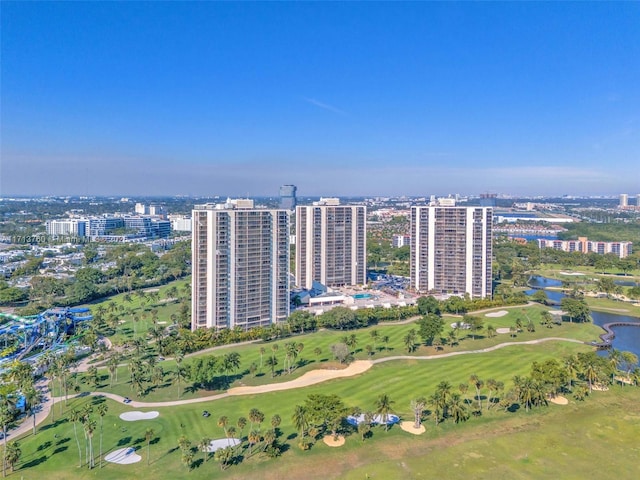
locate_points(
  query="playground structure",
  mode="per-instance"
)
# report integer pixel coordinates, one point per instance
(49, 331)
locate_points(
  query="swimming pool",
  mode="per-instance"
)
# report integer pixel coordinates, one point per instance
(358, 296)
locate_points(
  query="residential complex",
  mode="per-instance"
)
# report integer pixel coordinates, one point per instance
(451, 250)
(111, 228)
(331, 244)
(584, 245)
(240, 265)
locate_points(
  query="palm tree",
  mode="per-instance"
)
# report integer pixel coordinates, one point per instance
(630, 360)
(12, 454)
(436, 407)
(31, 399)
(255, 416)
(457, 409)
(300, 419)
(89, 428)
(253, 438)
(272, 362)
(148, 436)
(223, 455)
(383, 408)
(375, 336)
(223, 421)
(443, 393)
(262, 352)
(491, 331)
(241, 423)
(5, 417)
(268, 438)
(74, 416)
(103, 408)
(410, 340)
(204, 446)
(475, 381)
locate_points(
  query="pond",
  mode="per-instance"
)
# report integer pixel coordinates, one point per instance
(626, 339)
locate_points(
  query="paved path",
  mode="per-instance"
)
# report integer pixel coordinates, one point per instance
(309, 378)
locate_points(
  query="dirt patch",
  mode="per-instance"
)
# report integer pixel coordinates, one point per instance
(332, 441)
(410, 427)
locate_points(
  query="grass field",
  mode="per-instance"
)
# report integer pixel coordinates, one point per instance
(325, 338)
(474, 449)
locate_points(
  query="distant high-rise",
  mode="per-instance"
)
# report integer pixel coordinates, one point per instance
(488, 199)
(240, 265)
(331, 244)
(638, 199)
(288, 197)
(451, 250)
(624, 200)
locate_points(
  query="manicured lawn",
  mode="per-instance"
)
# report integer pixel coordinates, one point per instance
(325, 338)
(53, 452)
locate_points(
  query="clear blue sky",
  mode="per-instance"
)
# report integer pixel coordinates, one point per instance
(338, 98)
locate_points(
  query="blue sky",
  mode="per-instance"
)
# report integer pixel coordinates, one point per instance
(209, 98)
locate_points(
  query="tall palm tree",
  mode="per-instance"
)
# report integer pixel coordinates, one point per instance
(148, 436)
(103, 408)
(253, 438)
(300, 419)
(255, 416)
(383, 408)
(31, 399)
(223, 421)
(630, 360)
(90, 427)
(475, 382)
(5, 417)
(203, 446)
(74, 416)
(241, 424)
(443, 393)
(457, 409)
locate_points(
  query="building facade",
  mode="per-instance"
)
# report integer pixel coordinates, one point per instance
(451, 250)
(331, 246)
(584, 245)
(240, 266)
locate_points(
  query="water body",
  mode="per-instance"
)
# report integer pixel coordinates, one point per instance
(626, 339)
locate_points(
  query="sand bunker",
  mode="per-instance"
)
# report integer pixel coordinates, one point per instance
(559, 400)
(498, 314)
(134, 416)
(572, 274)
(222, 443)
(600, 388)
(503, 330)
(333, 442)
(123, 456)
(410, 427)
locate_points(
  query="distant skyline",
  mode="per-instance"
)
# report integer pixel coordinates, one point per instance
(338, 98)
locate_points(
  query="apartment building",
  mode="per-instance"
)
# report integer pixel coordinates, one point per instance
(451, 251)
(584, 245)
(331, 246)
(240, 265)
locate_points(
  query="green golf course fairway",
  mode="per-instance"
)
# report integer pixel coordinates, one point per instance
(553, 442)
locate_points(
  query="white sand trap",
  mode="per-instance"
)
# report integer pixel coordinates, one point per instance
(624, 380)
(572, 274)
(123, 456)
(503, 330)
(599, 388)
(559, 400)
(557, 312)
(222, 443)
(500, 313)
(133, 416)
(332, 442)
(410, 427)
(162, 323)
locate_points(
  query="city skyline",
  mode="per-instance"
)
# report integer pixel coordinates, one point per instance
(337, 99)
